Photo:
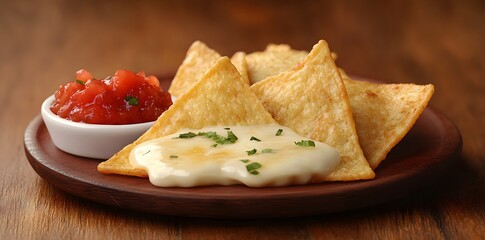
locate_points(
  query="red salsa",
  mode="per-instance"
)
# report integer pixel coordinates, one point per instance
(124, 98)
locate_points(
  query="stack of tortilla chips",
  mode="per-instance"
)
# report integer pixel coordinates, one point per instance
(304, 91)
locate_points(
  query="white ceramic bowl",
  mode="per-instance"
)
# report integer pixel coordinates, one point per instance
(89, 140)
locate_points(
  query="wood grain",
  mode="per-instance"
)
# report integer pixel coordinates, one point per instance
(43, 43)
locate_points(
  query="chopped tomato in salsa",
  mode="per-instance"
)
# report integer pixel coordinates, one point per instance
(124, 98)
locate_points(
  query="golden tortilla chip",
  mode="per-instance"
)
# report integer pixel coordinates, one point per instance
(221, 97)
(384, 113)
(198, 60)
(381, 122)
(239, 61)
(311, 99)
(273, 60)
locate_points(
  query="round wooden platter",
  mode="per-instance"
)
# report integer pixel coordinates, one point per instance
(423, 156)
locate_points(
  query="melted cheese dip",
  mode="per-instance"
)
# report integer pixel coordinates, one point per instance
(172, 161)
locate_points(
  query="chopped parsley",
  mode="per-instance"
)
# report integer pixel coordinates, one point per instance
(278, 133)
(305, 143)
(267, 150)
(251, 152)
(252, 168)
(80, 82)
(174, 156)
(227, 128)
(231, 138)
(133, 101)
(187, 135)
(207, 134)
(254, 139)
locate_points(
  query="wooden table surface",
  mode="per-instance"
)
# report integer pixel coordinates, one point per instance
(42, 44)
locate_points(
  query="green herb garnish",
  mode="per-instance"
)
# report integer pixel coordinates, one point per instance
(252, 167)
(305, 143)
(231, 138)
(174, 156)
(254, 139)
(214, 145)
(80, 82)
(227, 128)
(278, 133)
(187, 135)
(267, 150)
(133, 101)
(207, 134)
(251, 152)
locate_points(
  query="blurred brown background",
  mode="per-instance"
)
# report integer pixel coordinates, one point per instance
(372, 38)
(439, 42)
(43, 43)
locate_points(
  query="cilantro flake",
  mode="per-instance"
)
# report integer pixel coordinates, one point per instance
(80, 82)
(267, 150)
(174, 156)
(187, 135)
(305, 143)
(278, 133)
(244, 160)
(254, 139)
(253, 166)
(133, 101)
(251, 152)
(231, 137)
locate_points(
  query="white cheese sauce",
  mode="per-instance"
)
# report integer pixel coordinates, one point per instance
(172, 161)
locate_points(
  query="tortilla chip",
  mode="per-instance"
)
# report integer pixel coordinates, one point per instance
(239, 61)
(384, 113)
(334, 56)
(198, 60)
(381, 122)
(311, 99)
(221, 97)
(273, 60)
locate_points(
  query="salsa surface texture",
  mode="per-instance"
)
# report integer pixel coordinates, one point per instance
(124, 98)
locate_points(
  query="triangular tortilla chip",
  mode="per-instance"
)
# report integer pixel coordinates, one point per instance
(276, 58)
(198, 60)
(239, 61)
(234, 104)
(273, 60)
(384, 113)
(382, 117)
(311, 99)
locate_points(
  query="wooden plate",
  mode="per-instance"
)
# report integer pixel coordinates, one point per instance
(422, 157)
